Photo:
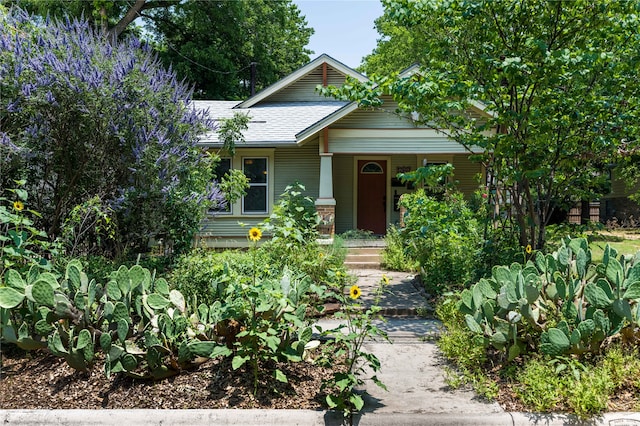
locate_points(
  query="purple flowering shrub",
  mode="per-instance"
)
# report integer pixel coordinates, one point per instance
(81, 118)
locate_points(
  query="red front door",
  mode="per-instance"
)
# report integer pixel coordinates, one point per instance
(372, 196)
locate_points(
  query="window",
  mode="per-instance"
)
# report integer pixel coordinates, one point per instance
(372, 168)
(223, 168)
(257, 194)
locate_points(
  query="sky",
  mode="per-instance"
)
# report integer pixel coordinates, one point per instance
(344, 29)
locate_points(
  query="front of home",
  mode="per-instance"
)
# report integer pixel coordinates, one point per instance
(345, 156)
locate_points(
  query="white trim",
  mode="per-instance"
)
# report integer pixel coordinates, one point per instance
(213, 213)
(236, 163)
(301, 72)
(264, 185)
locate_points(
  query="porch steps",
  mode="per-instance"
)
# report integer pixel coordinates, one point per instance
(363, 257)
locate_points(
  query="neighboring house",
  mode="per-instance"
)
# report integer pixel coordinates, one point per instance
(346, 157)
(616, 208)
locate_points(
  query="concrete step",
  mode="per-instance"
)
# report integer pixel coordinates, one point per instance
(363, 258)
(362, 265)
(364, 250)
(356, 258)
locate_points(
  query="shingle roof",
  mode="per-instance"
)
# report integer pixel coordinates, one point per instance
(270, 124)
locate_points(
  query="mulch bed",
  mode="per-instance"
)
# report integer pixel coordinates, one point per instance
(39, 380)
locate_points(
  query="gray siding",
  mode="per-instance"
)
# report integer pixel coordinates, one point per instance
(343, 191)
(404, 143)
(290, 164)
(300, 164)
(466, 173)
(386, 117)
(304, 89)
(372, 119)
(227, 226)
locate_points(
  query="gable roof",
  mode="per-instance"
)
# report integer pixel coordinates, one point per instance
(296, 75)
(273, 120)
(270, 124)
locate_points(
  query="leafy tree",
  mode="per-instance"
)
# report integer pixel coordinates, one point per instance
(558, 78)
(398, 48)
(211, 44)
(80, 118)
(112, 17)
(214, 43)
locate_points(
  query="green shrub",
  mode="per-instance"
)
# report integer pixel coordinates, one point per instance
(539, 386)
(444, 237)
(358, 234)
(294, 219)
(202, 275)
(394, 256)
(590, 394)
(21, 243)
(456, 342)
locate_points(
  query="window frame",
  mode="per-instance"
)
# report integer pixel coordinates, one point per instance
(229, 209)
(267, 185)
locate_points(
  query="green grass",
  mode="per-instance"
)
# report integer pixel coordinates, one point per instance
(624, 247)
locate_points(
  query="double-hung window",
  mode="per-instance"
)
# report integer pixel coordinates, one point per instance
(224, 166)
(257, 170)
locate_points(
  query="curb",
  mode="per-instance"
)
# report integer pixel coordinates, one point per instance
(298, 417)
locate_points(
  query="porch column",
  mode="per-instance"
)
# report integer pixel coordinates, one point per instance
(326, 204)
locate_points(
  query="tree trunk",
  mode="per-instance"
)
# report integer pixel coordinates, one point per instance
(132, 14)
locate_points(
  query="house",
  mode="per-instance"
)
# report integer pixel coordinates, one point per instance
(346, 157)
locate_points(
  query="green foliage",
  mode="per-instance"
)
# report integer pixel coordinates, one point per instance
(555, 304)
(443, 236)
(345, 348)
(203, 275)
(21, 243)
(358, 234)
(464, 350)
(143, 328)
(271, 316)
(552, 76)
(435, 177)
(540, 387)
(394, 256)
(583, 388)
(86, 121)
(223, 39)
(86, 226)
(591, 393)
(294, 220)
(459, 343)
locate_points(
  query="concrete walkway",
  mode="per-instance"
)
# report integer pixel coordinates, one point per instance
(412, 370)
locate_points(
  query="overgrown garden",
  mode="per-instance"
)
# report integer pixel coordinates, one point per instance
(531, 316)
(99, 165)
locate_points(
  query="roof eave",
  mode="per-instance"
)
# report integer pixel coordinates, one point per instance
(304, 135)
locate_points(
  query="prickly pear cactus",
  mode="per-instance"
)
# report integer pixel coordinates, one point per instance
(144, 328)
(557, 304)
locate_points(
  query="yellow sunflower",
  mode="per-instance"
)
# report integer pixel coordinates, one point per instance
(528, 249)
(18, 206)
(255, 234)
(354, 292)
(385, 279)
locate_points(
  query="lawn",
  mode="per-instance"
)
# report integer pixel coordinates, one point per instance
(624, 242)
